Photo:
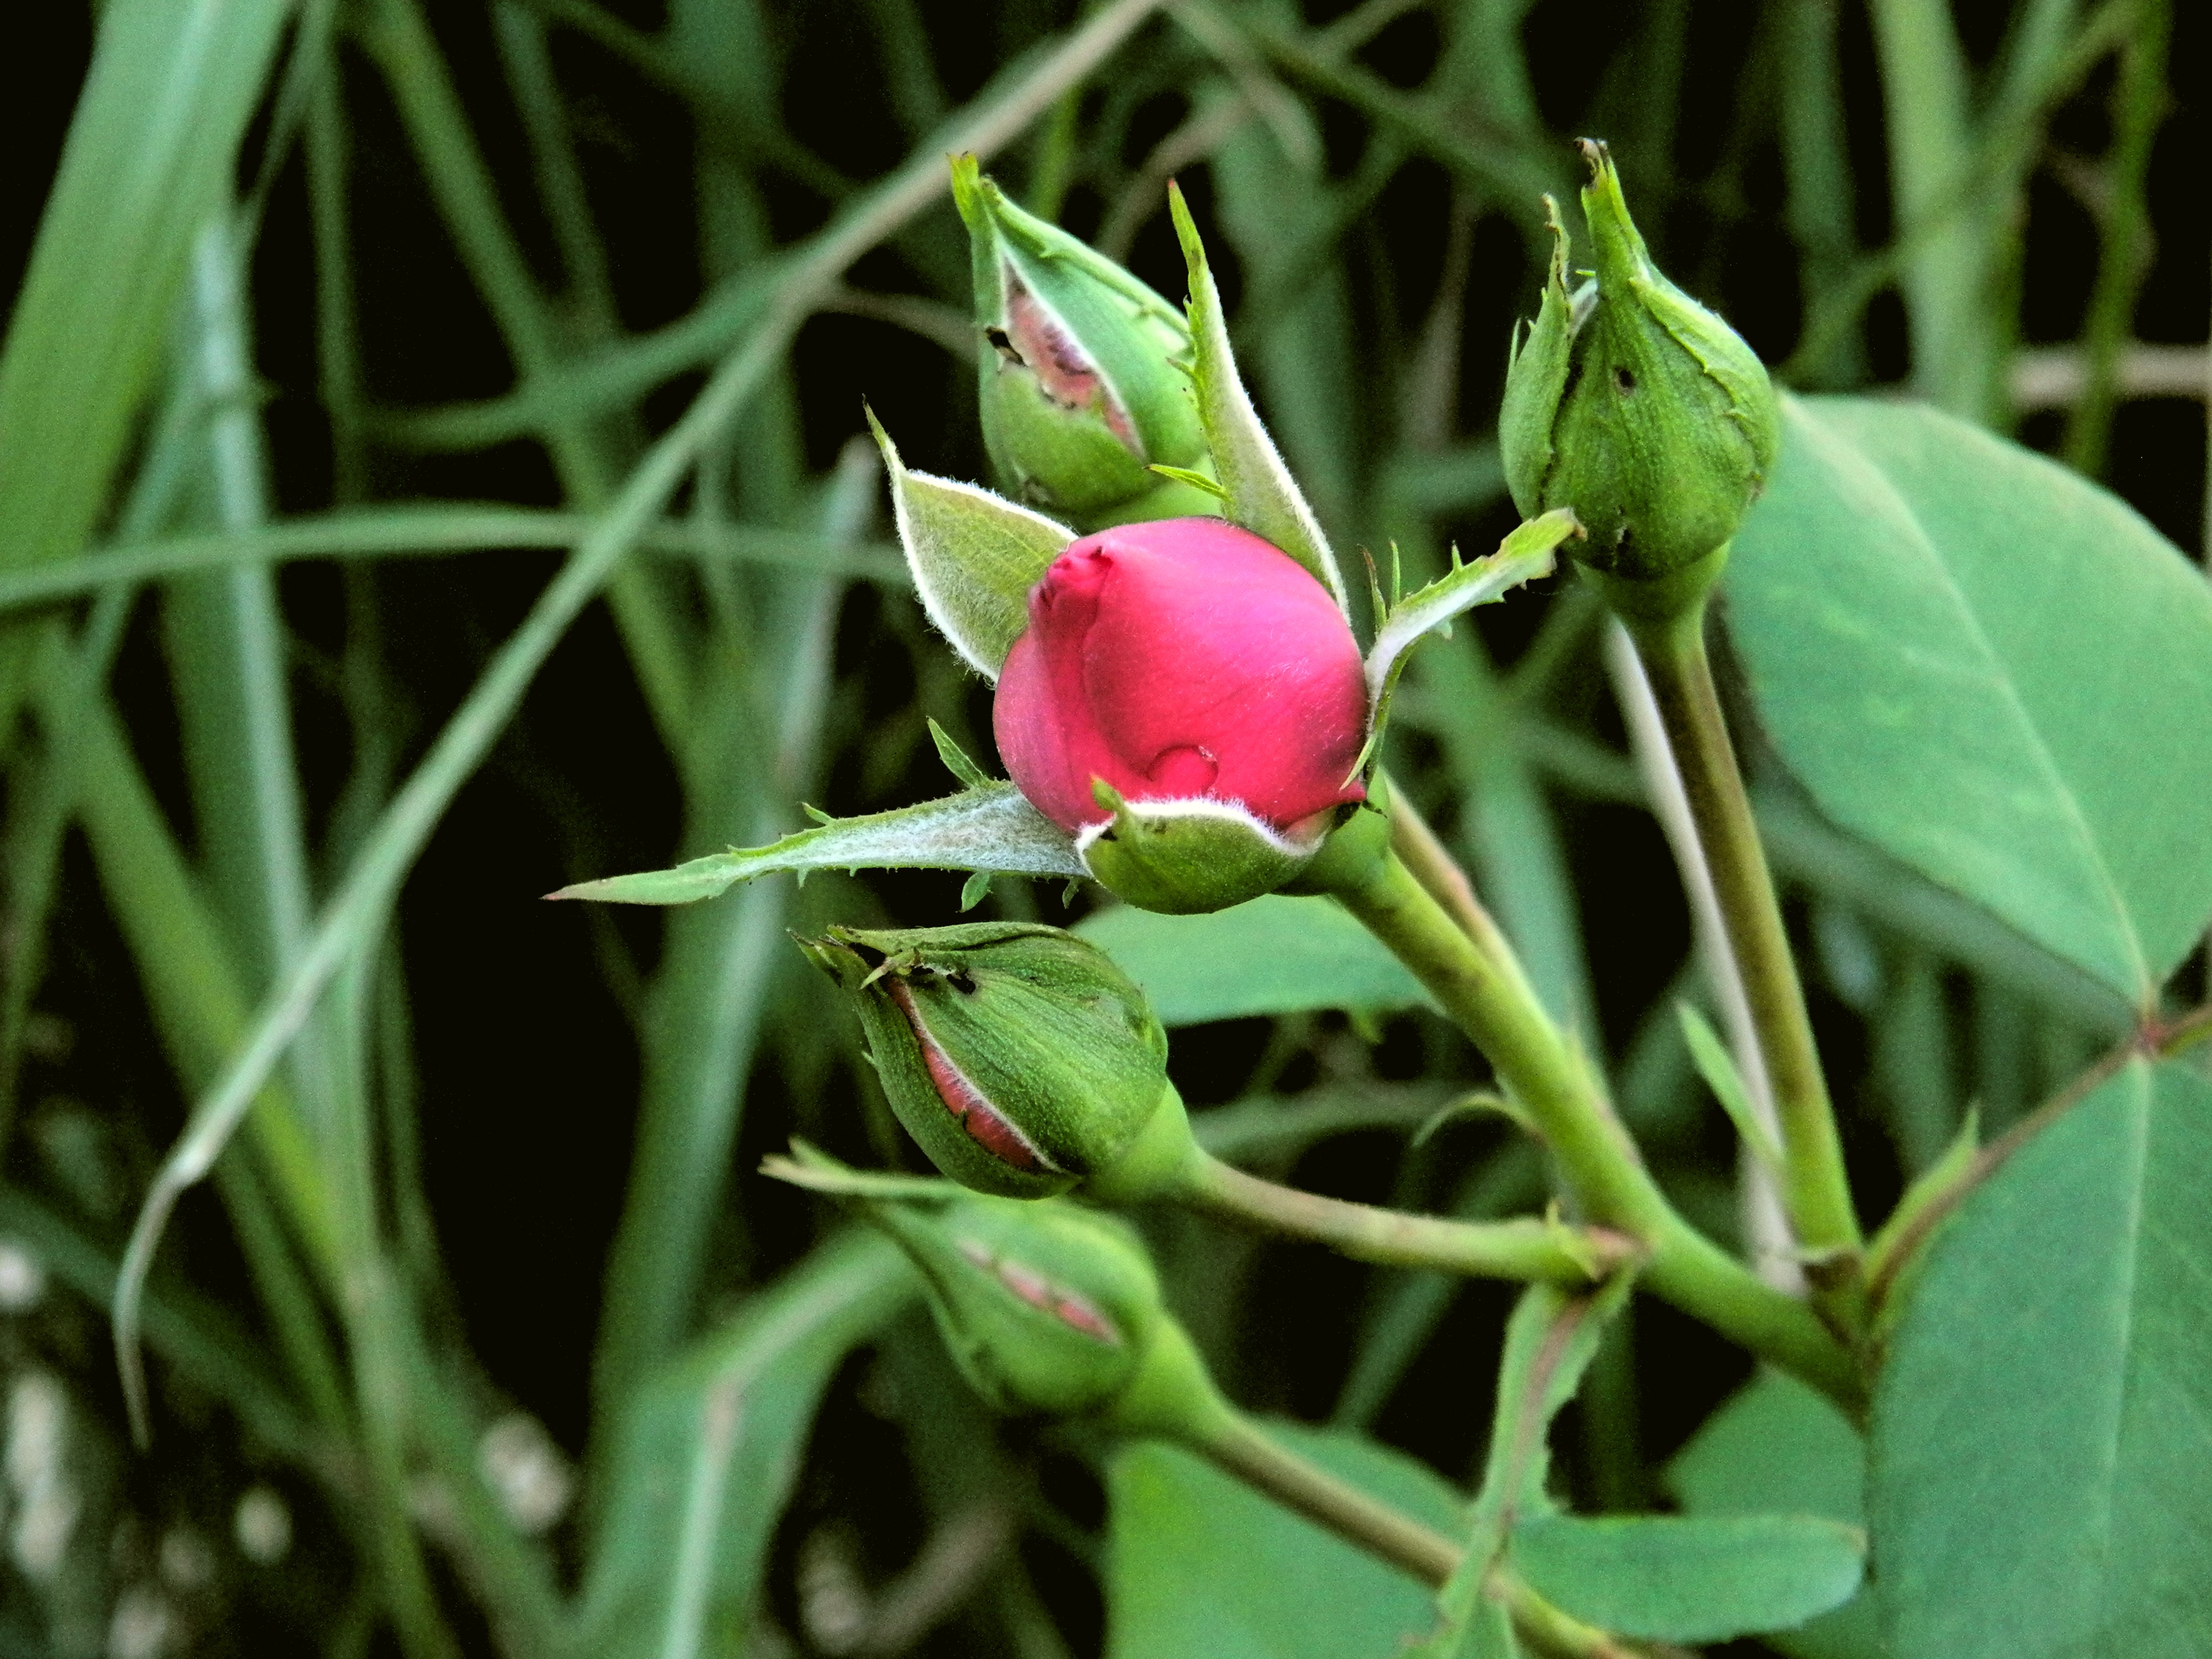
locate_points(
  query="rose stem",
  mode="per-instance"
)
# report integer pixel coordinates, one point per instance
(1600, 1163)
(1815, 1190)
(1524, 1249)
(1241, 1448)
(1440, 873)
(1547, 1630)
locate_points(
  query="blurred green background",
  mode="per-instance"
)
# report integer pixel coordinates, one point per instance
(335, 322)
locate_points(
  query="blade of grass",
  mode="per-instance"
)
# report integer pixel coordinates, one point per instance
(182, 960)
(2140, 102)
(708, 1002)
(148, 161)
(1513, 170)
(46, 802)
(433, 532)
(199, 1339)
(227, 648)
(399, 1397)
(397, 39)
(2002, 151)
(1816, 166)
(352, 918)
(723, 45)
(1947, 280)
(528, 61)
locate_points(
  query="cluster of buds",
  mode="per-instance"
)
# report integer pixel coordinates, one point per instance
(1186, 702)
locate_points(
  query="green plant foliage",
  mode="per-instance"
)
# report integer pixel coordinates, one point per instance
(149, 161)
(709, 1449)
(435, 470)
(2036, 1476)
(1199, 1564)
(1683, 1578)
(1991, 668)
(1276, 954)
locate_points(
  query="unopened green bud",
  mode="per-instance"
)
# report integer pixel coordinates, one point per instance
(1048, 1307)
(1018, 1056)
(1634, 406)
(1080, 385)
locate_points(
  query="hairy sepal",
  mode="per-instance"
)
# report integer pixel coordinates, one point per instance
(1188, 857)
(991, 828)
(975, 556)
(1258, 490)
(1527, 553)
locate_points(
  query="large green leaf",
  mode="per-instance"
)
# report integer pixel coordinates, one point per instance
(2039, 1477)
(1271, 955)
(1779, 1447)
(1690, 1578)
(1199, 1564)
(1992, 669)
(707, 1455)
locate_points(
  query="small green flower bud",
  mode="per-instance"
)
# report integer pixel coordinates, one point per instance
(1634, 406)
(1019, 1056)
(1048, 1307)
(1080, 390)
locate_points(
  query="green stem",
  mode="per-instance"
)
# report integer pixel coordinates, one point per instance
(1240, 1447)
(1815, 1190)
(1440, 873)
(1522, 1250)
(1545, 1629)
(2140, 102)
(1554, 1084)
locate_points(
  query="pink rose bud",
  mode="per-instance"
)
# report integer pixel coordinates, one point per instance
(1179, 660)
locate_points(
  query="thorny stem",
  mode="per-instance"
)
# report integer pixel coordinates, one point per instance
(1815, 1190)
(1554, 1083)
(1526, 1249)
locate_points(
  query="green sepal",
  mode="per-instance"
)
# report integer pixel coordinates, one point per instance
(1535, 379)
(1188, 857)
(989, 827)
(1526, 554)
(1258, 491)
(974, 555)
(1019, 1057)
